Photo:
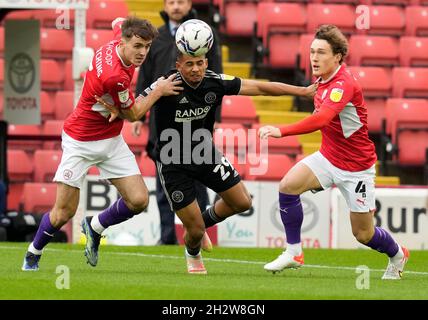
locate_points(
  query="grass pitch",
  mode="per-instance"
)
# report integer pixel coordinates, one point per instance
(159, 273)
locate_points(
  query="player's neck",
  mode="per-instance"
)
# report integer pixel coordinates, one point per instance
(121, 55)
(328, 76)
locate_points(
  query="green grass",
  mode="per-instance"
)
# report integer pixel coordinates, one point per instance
(233, 273)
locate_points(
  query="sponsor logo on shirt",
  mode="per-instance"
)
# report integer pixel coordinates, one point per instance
(183, 100)
(191, 114)
(226, 77)
(336, 94)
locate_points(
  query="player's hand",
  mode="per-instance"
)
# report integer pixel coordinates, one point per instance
(136, 128)
(311, 90)
(169, 86)
(269, 131)
(114, 112)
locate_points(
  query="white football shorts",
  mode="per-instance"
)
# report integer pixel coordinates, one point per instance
(358, 188)
(112, 156)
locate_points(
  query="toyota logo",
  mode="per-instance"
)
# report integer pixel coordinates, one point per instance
(21, 73)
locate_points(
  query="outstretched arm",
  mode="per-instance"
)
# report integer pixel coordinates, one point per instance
(310, 124)
(266, 88)
(162, 87)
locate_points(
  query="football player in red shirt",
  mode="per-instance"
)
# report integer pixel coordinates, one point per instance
(346, 158)
(91, 137)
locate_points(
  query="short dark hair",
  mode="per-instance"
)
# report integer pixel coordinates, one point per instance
(335, 38)
(133, 26)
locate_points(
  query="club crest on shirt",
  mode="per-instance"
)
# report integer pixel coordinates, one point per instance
(210, 97)
(336, 94)
(123, 95)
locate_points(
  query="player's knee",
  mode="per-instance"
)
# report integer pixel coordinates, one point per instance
(288, 187)
(243, 204)
(196, 231)
(362, 236)
(138, 203)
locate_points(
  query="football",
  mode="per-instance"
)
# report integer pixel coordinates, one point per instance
(194, 37)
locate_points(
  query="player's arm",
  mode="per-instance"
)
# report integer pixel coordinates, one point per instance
(310, 124)
(134, 110)
(265, 88)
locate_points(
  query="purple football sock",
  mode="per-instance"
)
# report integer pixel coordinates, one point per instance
(45, 233)
(291, 211)
(383, 242)
(116, 213)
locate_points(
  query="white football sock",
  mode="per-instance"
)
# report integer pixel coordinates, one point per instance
(96, 225)
(294, 249)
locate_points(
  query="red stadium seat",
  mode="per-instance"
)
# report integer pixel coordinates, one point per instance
(240, 18)
(14, 195)
(376, 113)
(32, 141)
(97, 38)
(45, 164)
(276, 45)
(49, 40)
(52, 128)
(407, 123)
(101, 13)
(68, 81)
(46, 106)
(51, 75)
(375, 81)
(373, 51)
(19, 166)
(410, 82)
(288, 145)
(1, 41)
(267, 167)
(136, 144)
(414, 52)
(341, 15)
(417, 21)
(53, 19)
(147, 166)
(238, 109)
(38, 197)
(304, 54)
(386, 20)
(64, 104)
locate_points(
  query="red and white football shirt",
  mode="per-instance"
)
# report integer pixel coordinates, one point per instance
(108, 77)
(345, 141)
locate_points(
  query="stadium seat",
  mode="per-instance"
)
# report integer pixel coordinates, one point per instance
(376, 113)
(68, 76)
(31, 133)
(45, 164)
(410, 82)
(51, 75)
(47, 108)
(304, 54)
(49, 40)
(14, 195)
(136, 144)
(268, 167)
(413, 51)
(276, 44)
(53, 19)
(19, 166)
(2, 41)
(1, 73)
(288, 145)
(417, 21)
(147, 166)
(97, 38)
(407, 124)
(239, 18)
(103, 12)
(38, 197)
(375, 81)
(278, 17)
(64, 104)
(387, 20)
(52, 128)
(238, 109)
(373, 51)
(341, 15)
